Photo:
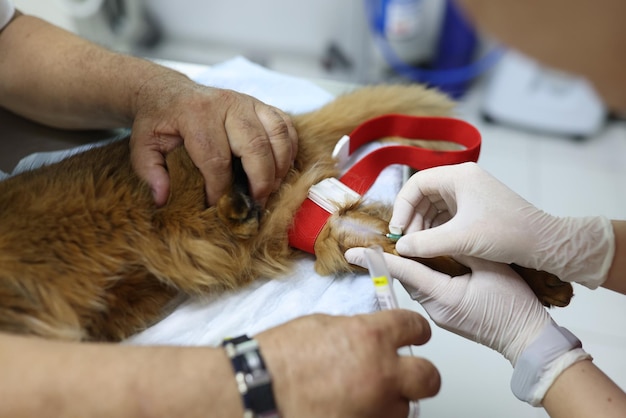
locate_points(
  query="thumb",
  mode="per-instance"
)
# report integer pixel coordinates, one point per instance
(356, 256)
(419, 280)
(150, 166)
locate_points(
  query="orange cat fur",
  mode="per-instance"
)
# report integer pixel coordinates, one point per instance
(86, 255)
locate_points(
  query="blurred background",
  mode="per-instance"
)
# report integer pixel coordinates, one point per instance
(355, 41)
(322, 38)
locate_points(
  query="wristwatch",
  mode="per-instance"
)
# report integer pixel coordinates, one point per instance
(253, 380)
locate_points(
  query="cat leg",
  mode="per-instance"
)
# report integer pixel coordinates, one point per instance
(30, 309)
(365, 225)
(550, 290)
(132, 305)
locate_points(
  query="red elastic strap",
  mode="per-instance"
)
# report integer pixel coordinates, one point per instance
(311, 218)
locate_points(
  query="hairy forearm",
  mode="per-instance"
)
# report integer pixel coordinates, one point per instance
(616, 279)
(585, 37)
(54, 77)
(45, 378)
(583, 390)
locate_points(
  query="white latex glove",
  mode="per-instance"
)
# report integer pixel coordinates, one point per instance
(463, 210)
(491, 305)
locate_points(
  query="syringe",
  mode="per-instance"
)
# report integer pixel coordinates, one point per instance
(383, 282)
(386, 297)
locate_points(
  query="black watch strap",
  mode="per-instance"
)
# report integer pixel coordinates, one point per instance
(253, 380)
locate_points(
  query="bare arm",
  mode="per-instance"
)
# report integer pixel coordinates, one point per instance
(312, 361)
(586, 37)
(44, 378)
(54, 77)
(583, 390)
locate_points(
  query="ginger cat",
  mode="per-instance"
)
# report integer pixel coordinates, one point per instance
(86, 255)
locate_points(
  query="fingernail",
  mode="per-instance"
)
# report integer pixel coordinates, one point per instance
(395, 230)
(352, 256)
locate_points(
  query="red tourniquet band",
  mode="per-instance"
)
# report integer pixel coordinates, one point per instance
(311, 218)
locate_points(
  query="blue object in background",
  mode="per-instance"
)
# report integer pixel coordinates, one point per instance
(454, 64)
(456, 48)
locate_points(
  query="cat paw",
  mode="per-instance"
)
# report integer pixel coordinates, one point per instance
(555, 292)
(239, 213)
(550, 290)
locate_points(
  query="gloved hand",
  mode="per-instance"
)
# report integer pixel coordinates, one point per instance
(463, 210)
(493, 306)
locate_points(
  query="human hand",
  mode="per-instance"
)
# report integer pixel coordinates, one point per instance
(327, 366)
(463, 210)
(213, 125)
(491, 305)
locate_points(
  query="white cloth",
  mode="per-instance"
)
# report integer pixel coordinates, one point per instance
(7, 9)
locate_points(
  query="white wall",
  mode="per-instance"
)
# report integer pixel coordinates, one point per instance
(51, 10)
(266, 29)
(303, 26)
(286, 35)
